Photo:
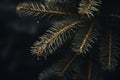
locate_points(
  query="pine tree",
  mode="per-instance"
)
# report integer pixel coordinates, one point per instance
(75, 22)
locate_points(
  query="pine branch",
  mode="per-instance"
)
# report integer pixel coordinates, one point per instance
(52, 73)
(73, 13)
(109, 52)
(85, 39)
(88, 7)
(61, 73)
(40, 11)
(55, 37)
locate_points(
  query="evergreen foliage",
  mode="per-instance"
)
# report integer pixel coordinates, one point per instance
(75, 20)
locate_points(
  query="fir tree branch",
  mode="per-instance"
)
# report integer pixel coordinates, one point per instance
(41, 11)
(84, 39)
(108, 52)
(51, 73)
(55, 37)
(73, 12)
(88, 7)
(61, 73)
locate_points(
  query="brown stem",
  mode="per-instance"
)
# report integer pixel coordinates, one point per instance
(89, 70)
(110, 50)
(66, 66)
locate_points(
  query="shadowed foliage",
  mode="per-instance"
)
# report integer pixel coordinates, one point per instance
(76, 22)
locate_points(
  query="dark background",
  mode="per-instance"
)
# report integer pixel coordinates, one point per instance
(18, 35)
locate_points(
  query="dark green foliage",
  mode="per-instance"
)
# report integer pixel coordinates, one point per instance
(109, 51)
(43, 11)
(85, 38)
(88, 7)
(71, 73)
(75, 21)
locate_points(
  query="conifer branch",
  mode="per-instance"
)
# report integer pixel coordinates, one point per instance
(41, 11)
(61, 73)
(52, 73)
(54, 37)
(86, 38)
(88, 7)
(85, 41)
(109, 52)
(68, 16)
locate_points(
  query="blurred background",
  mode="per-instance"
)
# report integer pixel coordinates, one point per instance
(16, 38)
